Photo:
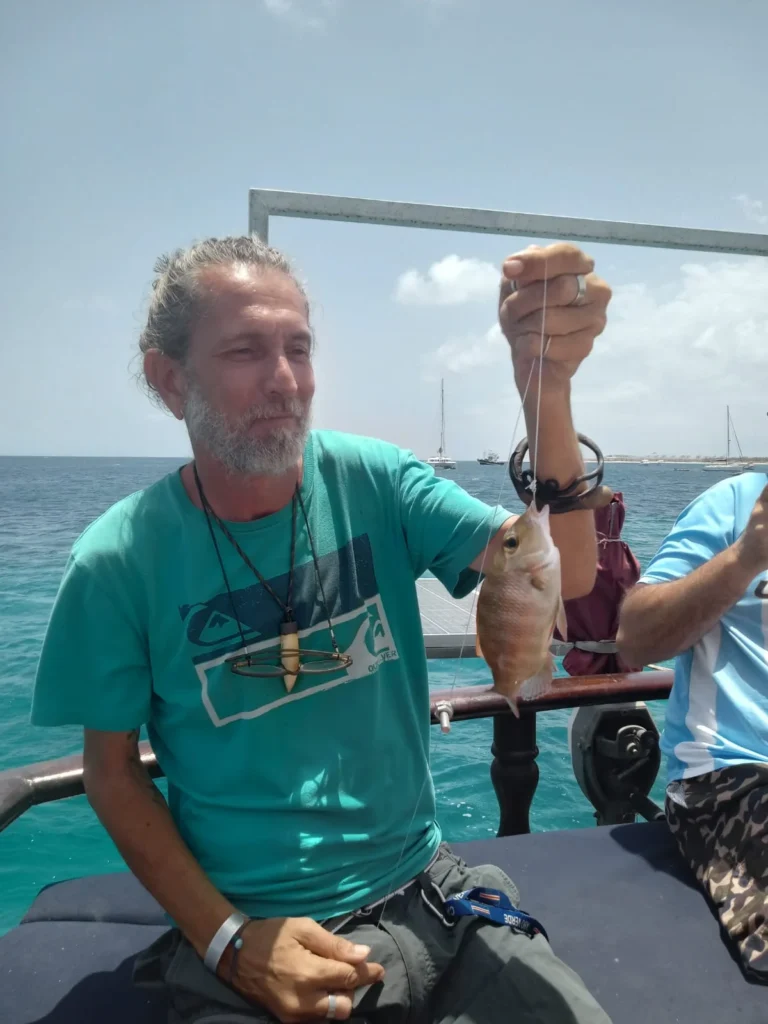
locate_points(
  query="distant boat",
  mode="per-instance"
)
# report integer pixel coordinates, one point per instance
(441, 460)
(728, 465)
(491, 459)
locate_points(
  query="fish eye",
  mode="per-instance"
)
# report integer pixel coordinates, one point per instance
(510, 543)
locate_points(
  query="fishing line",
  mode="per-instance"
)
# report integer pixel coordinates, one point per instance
(542, 352)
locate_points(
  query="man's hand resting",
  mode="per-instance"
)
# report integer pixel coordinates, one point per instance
(291, 965)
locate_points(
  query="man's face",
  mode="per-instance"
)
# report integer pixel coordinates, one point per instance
(249, 371)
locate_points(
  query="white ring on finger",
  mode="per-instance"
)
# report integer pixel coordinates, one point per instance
(581, 293)
(330, 1013)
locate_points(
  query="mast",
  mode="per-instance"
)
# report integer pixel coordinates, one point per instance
(441, 450)
(727, 434)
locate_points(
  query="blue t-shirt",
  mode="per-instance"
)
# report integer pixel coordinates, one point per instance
(717, 715)
(309, 802)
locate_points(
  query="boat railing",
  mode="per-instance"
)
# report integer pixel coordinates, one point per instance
(513, 769)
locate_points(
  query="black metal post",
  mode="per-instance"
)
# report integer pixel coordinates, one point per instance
(647, 808)
(514, 772)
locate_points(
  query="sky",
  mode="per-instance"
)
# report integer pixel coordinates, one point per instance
(131, 129)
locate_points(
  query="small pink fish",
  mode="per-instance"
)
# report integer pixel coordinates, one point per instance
(519, 606)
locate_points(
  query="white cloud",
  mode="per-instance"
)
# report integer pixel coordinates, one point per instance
(715, 325)
(693, 345)
(754, 209)
(451, 281)
(672, 356)
(312, 14)
(469, 353)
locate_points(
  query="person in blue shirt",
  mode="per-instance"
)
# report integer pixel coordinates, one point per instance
(298, 855)
(703, 600)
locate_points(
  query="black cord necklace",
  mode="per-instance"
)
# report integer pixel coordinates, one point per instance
(291, 657)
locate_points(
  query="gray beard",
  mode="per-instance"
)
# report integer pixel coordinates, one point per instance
(231, 444)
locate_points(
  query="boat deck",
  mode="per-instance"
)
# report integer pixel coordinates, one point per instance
(447, 624)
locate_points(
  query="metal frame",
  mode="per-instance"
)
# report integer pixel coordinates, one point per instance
(264, 203)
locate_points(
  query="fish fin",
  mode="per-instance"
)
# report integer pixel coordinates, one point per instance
(561, 621)
(513, 706)
(478, 648)
(538, 582)
(539, 683)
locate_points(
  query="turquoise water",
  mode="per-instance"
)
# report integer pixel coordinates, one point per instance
(45, 502)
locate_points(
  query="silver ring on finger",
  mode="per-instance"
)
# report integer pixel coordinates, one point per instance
(512, 287)
(581, 293)
(330, 1013)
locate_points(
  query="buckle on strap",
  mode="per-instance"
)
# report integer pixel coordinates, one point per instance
(493, 905)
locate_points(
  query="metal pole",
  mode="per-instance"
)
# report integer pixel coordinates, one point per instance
(258, 217)
(264, 203)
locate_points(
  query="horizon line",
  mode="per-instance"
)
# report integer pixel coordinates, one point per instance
(618, 456)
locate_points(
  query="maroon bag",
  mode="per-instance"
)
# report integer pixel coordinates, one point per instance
(596, 616)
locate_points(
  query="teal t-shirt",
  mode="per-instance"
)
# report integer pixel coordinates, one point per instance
(311, 802)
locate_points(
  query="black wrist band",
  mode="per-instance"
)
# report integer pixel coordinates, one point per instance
(549, 492)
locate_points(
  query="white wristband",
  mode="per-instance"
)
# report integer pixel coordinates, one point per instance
(222, 939)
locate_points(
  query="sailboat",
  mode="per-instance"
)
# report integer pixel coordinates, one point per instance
(740, 465)
(441, 460)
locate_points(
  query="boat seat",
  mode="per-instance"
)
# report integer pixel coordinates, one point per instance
(618, 903)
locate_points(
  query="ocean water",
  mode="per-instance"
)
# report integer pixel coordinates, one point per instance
(46, 502)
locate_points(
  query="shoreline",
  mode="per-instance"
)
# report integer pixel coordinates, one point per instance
(681, 460)
(640, 460)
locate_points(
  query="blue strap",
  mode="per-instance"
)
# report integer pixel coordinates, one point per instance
(493, 905)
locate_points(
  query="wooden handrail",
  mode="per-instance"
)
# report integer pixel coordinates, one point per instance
(564, 692)
(45, 781)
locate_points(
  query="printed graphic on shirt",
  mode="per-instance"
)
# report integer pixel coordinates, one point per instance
(215, 631)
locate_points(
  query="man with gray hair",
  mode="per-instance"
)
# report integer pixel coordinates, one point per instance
(257, 611)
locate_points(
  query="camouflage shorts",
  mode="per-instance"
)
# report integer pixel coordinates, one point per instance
(720, 822)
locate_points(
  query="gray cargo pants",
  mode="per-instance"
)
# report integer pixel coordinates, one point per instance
(470, 972)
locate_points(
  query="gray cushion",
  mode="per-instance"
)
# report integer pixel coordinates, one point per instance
(63, 972)
(618, 903)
